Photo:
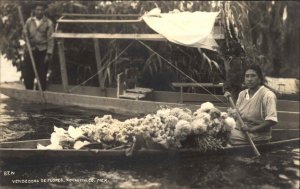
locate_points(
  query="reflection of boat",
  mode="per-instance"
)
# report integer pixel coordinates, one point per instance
(21, 150)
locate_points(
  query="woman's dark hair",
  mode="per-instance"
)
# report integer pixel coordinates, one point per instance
(40, 4)
(258, 71)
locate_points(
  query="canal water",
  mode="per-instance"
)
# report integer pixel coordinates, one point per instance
(24, 121)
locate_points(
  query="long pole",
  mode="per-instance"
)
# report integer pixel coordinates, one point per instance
(243, 124)
(31, 55)
(0, 74)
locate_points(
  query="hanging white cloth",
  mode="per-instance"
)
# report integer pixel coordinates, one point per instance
(192, 29)
(284, 85)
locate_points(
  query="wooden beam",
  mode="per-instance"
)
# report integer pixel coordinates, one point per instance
(119, 87)
(150, 37)
(98, 60)
(100, 15)
(193, 85)
(88, 21)
(109, 15)
(63, 66)
(181, 95)
(146, 37)
(220, 85)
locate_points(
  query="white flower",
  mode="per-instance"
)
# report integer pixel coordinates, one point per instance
(60, 130)
(214, 113)
(137, 130)
(151, 121)
(203, 115)
(163, 113)
(181, 114)
(105, 119)
(164, 143)
(224, 115)
(199, 126)
(121, 138)
(75, 132)
(41, 147)
(182, 129)
(168, 127)
(49, 147)
(86, 128)
(176, 112)
(206, 107)
(232, 112)
(229, 123)
(171, 121)
(60, 138)
(188, 111)
(80, 144)
(132, 122)
(185, 116)
(22, 42)
(108, 138)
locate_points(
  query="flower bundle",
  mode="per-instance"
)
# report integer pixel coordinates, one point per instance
(169, 128)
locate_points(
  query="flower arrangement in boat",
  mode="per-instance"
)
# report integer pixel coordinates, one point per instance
(169, 128)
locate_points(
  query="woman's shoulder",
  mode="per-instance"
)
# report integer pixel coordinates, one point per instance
(243, 92)
(268, 93)
(242, 95)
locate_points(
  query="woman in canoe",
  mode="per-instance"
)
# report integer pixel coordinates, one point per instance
(257, 107)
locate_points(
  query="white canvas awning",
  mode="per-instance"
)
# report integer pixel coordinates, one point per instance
(192, 29)
(284, 85)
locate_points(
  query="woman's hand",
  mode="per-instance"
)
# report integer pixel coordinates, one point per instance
(246, 128)
(227, 94)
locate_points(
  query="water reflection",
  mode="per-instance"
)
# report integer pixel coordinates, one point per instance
(21, 121)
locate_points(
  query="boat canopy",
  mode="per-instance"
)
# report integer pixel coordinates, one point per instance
(197, 29)
(191, 29)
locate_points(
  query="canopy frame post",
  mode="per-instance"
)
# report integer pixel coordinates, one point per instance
(63, 66)
(98, 61)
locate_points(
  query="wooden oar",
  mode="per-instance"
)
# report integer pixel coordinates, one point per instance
(31, 55)
(243, 125)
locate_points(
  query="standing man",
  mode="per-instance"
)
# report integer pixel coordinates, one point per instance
(39, 29)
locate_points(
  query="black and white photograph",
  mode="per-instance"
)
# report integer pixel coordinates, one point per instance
(149, 94)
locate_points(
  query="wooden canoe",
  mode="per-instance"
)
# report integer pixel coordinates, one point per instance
(26, 150)
(105, 99)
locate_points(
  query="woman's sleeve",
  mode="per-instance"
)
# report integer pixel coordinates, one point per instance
(240, 99)
(269, 105)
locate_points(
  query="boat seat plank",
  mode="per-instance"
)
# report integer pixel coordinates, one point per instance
(135, 96)
(194, 85)
(288, 120)
(139, 90)
(285, 105)
(219, 85)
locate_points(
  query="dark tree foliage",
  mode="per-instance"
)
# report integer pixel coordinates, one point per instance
(269, 32)
(263, 32)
